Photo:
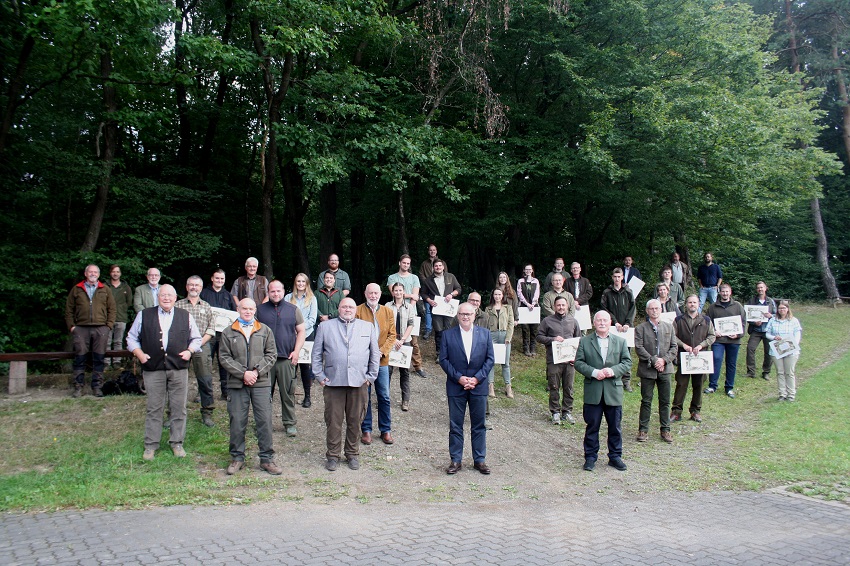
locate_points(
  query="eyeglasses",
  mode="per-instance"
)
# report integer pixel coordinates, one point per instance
(466, 314)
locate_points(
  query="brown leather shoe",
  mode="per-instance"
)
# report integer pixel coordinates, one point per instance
(696, 417)
(666, 436)
(454, 468)
(177, 450)
(366, 438)
(675, 417)
(387, 438)
(642, 436)
(234, 467)
(272, 468)
(482, 467)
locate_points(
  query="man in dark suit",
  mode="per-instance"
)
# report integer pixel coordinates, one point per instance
(466, 355)
(655, 344)
(603, 360)
(629, 270)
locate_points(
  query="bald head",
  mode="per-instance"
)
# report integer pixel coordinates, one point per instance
(247, 309)
(347, 309)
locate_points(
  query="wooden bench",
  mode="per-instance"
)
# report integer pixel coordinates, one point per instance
(18, 365)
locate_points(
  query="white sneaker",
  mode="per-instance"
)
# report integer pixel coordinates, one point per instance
(569, 418)
(556, 418)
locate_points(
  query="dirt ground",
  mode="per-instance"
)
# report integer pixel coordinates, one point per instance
(531, 459)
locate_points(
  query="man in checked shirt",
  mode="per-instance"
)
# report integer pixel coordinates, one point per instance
(201, 361)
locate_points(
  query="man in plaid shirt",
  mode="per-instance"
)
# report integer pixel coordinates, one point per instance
(201, 361)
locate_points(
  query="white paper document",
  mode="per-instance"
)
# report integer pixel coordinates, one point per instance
(529, 316)
(635, 285)
(445, 309)
(582, 316)
(668, 317)
(628, 335)
(417, 325)
(499, 351)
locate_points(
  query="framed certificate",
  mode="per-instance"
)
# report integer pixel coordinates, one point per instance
(223, 318)
(728, 326)
(445, 309)
(755, 313)
(563, 352)
(306, 353)
(499, 351)
(628, 335)
(582, 316)
(401, 358)
(782, 348)
(529, 316)
(696, 363)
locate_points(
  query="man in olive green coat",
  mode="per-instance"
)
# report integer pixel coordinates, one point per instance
(603, 360)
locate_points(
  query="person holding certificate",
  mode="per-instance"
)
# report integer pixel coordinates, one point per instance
(500, 323)
(559, 327)
(528, 293)
(694, 333)
(443, 287)
(303, 298)
(404, 313)
(784, 329)
(728, 341)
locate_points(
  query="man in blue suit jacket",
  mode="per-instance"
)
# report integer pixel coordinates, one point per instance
(466, 355)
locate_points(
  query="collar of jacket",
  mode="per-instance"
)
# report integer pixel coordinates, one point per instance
(238, 327)
(82, 285)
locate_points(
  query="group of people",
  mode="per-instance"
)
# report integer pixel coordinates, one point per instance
(352, 344)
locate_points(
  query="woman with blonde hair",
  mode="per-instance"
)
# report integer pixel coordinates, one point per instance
(785, 328)
(302, 297)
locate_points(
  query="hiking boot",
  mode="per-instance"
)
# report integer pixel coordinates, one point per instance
(666, 436)
(642, 436)
(271, 468)
(149, 454)
(234, 467)
(178, 451)
(97, 391)
(206, 418)
(77, 392)
(291, 430)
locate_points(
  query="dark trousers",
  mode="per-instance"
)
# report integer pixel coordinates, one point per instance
(403, 381)
(593, 417)
(344, 404)
(90, 340)
(283, 376)
(647, 392)
(529, 337)
(752, 346)
(477, 431)
(222, 373)
(200, 363)
(558, 377)
(682, 382)
(238, 402)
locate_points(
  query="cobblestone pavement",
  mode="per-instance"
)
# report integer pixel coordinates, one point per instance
(701, 528)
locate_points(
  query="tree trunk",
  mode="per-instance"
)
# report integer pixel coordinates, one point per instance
(403, 246)
(823, 255)
(330, 241)
(205, 159)
(109, 127)
(296, 210)
(16, 84)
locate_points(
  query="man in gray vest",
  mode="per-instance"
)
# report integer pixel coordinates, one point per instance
(163, 339)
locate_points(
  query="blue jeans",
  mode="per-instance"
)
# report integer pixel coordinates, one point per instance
(731, 351)
(428, 326)
(382, 392)
(498, 337)
(707, 293)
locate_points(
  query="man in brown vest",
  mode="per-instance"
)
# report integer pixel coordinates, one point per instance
(251, 285)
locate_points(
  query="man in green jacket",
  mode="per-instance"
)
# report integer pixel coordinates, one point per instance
(89, 316)
(603, 359)
(123, 295)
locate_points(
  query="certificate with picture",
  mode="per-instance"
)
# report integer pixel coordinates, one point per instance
(223, 318)
(445, 309)
(728, 326)
(782, 348)
(563, 352)
(756, 313)
(305, 353)
(695, 364)
(529, 316)
(401, 358)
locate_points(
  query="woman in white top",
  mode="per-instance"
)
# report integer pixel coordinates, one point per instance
(786, 332)
(302, 297)
(404, 311)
